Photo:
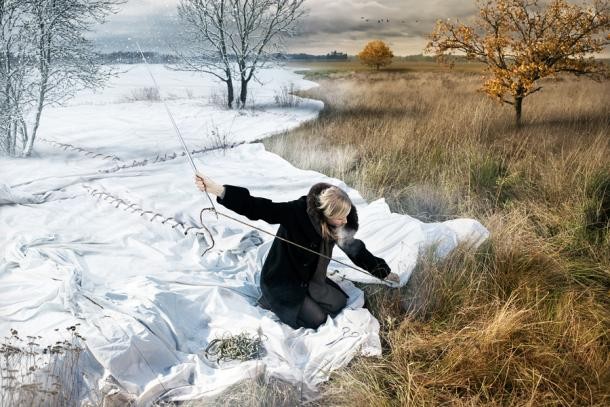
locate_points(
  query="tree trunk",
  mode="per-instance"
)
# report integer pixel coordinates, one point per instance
(40, 105)
(7, 103)
(30, 143)
(518, 105)
(12, 137)
(43, 68)
(230, 93)
(7, 140)
(23, 132)
(243, 93)
(7, 144)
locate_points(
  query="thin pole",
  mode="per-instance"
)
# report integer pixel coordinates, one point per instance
(169, 113)
(294, 244)
(171, 117)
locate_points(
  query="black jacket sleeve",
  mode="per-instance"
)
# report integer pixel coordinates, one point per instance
(359, 254)
(239, 200)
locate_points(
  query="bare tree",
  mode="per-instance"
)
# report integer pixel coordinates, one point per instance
(65, 59)
(257, 31)
(15, 66)
(237, 37)
(44, 60)
(207, 23)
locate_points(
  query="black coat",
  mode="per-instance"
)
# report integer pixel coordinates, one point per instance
(288, 269)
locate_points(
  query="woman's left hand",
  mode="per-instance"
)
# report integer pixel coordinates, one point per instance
(393, 277)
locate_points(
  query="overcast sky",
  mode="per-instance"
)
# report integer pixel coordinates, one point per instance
(329, 25)
(342, 25)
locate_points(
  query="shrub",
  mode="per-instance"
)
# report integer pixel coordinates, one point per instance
(150, 94)
(285, 96)
(32, 375)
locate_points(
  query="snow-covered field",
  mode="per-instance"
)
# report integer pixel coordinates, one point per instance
(101, 227)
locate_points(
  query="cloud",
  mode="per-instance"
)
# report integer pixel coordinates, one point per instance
(338, 24)
(141, 8)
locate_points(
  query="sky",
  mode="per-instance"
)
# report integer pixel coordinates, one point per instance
(328, 25)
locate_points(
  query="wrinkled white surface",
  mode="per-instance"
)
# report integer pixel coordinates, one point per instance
(147, 302)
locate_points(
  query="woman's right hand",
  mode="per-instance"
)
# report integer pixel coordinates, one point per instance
(207, 184)
(393, 277)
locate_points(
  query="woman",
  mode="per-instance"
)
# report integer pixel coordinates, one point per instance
(293, 280)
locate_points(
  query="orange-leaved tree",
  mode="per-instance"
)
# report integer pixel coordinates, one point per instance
(522, 41)
(376, 53)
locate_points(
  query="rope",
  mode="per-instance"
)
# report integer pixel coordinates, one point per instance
(240, 347)
(134, 208)
(284, 240)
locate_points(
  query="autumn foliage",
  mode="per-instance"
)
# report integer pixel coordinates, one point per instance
(522, 41)
(376, 54)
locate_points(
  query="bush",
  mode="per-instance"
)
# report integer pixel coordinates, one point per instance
(32, 375)
(149, 94)
(285, 97)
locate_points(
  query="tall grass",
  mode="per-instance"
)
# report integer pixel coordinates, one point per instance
(525, 319)
(32, 375)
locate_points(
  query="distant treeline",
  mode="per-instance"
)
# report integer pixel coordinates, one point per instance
(331, 56)
(341, 56)
(132, 57)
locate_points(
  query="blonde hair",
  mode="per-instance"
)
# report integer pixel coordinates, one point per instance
(334, 203)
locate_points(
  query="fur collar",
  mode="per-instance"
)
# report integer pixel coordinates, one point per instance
(316, 215)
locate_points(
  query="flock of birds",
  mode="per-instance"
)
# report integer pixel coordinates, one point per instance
(382, 20)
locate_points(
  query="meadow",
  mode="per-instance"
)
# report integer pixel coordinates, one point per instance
(523, 320)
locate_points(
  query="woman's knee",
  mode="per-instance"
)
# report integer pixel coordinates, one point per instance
(312, 322)
(311, 314)
(337, 305)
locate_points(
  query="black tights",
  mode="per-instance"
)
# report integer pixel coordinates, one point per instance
(313, 313)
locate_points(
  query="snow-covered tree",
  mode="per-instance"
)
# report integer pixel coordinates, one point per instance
(46, 59)
(66, 61)
(15, 75)
(206, 26)
(235, 38)
(258, 30)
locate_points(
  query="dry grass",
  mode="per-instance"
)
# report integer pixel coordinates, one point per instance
(325, 68)
(525, 320)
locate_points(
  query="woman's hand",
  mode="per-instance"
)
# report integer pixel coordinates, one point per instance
(207, 184)
(393, 277)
